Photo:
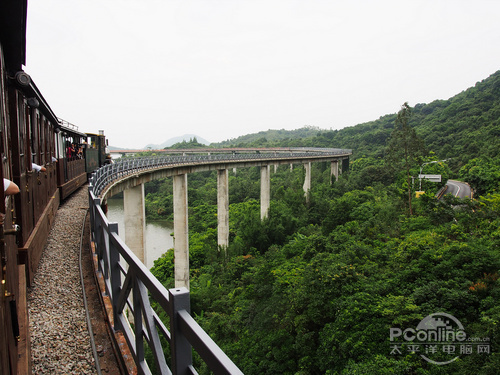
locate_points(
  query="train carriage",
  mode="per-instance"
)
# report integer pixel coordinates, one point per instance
(34, 151)
(96, 154)
(70, 162)
(15, 116)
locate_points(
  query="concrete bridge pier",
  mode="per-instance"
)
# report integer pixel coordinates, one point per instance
(307, 180)
(222, 208)
(334, 170)
(265, 191)
(135, 220)
(181, 238)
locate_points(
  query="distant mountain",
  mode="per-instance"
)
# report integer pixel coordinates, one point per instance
(460, 128)
(172, 141)
(270, 136)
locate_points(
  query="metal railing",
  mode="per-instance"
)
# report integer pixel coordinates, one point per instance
(128, 166)
(131, 286)
(67, 124)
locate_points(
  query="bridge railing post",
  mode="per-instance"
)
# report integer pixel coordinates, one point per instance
(97, 224)
(115, 276)
(179, 345)
(91, 206)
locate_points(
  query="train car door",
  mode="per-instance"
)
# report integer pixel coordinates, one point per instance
(19, 123)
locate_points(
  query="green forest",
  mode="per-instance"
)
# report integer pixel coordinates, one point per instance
(317, 286)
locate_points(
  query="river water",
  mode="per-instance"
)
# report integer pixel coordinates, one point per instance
(158, 233)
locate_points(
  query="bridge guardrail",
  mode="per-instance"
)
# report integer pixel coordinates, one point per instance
(128, 166)
(126, 276)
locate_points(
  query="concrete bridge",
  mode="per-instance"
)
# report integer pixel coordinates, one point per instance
(130, 174)
(225, 150)
(126, 281)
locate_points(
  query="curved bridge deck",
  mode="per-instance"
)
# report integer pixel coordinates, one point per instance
(150, 168)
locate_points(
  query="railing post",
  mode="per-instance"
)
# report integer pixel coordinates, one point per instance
(179, 345)
(91, 208)
(138, 323)
(115, 277)
(97, 227)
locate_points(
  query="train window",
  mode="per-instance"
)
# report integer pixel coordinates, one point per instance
(30, 129)
(2, 133)
(20, 128)
(43, 156)
(41, 139)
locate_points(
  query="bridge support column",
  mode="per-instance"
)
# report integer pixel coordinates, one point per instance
(307, 180)
(181, 239)
(334, 170)
(222, 208)
(265, 191)
(135, 220)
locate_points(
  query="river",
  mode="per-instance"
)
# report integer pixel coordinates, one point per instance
(158, 233)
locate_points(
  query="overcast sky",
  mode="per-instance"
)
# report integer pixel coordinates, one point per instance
(145, 71)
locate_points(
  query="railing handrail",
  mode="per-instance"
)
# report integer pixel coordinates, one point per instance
(133, 278)
(126, 166)
(67, 124)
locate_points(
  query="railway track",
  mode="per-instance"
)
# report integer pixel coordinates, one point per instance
(59, 330)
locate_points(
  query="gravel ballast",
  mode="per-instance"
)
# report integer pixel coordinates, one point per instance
(60, 342)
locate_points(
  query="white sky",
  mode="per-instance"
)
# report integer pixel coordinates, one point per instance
(149, 70)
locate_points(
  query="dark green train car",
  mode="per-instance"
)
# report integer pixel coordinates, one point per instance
(96, 154)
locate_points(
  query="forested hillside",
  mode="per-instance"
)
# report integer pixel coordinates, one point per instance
(317, 287)
(462, 127)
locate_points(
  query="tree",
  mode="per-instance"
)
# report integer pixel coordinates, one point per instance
(405, 147)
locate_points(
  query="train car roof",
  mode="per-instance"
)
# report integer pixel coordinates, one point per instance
(13, 16)
(13, 33)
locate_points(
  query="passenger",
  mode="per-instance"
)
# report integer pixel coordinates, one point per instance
(38, 168)
(68, 151)
(9, 188)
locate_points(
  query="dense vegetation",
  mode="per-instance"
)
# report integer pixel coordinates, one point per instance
(315, 288)
(192, 143)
